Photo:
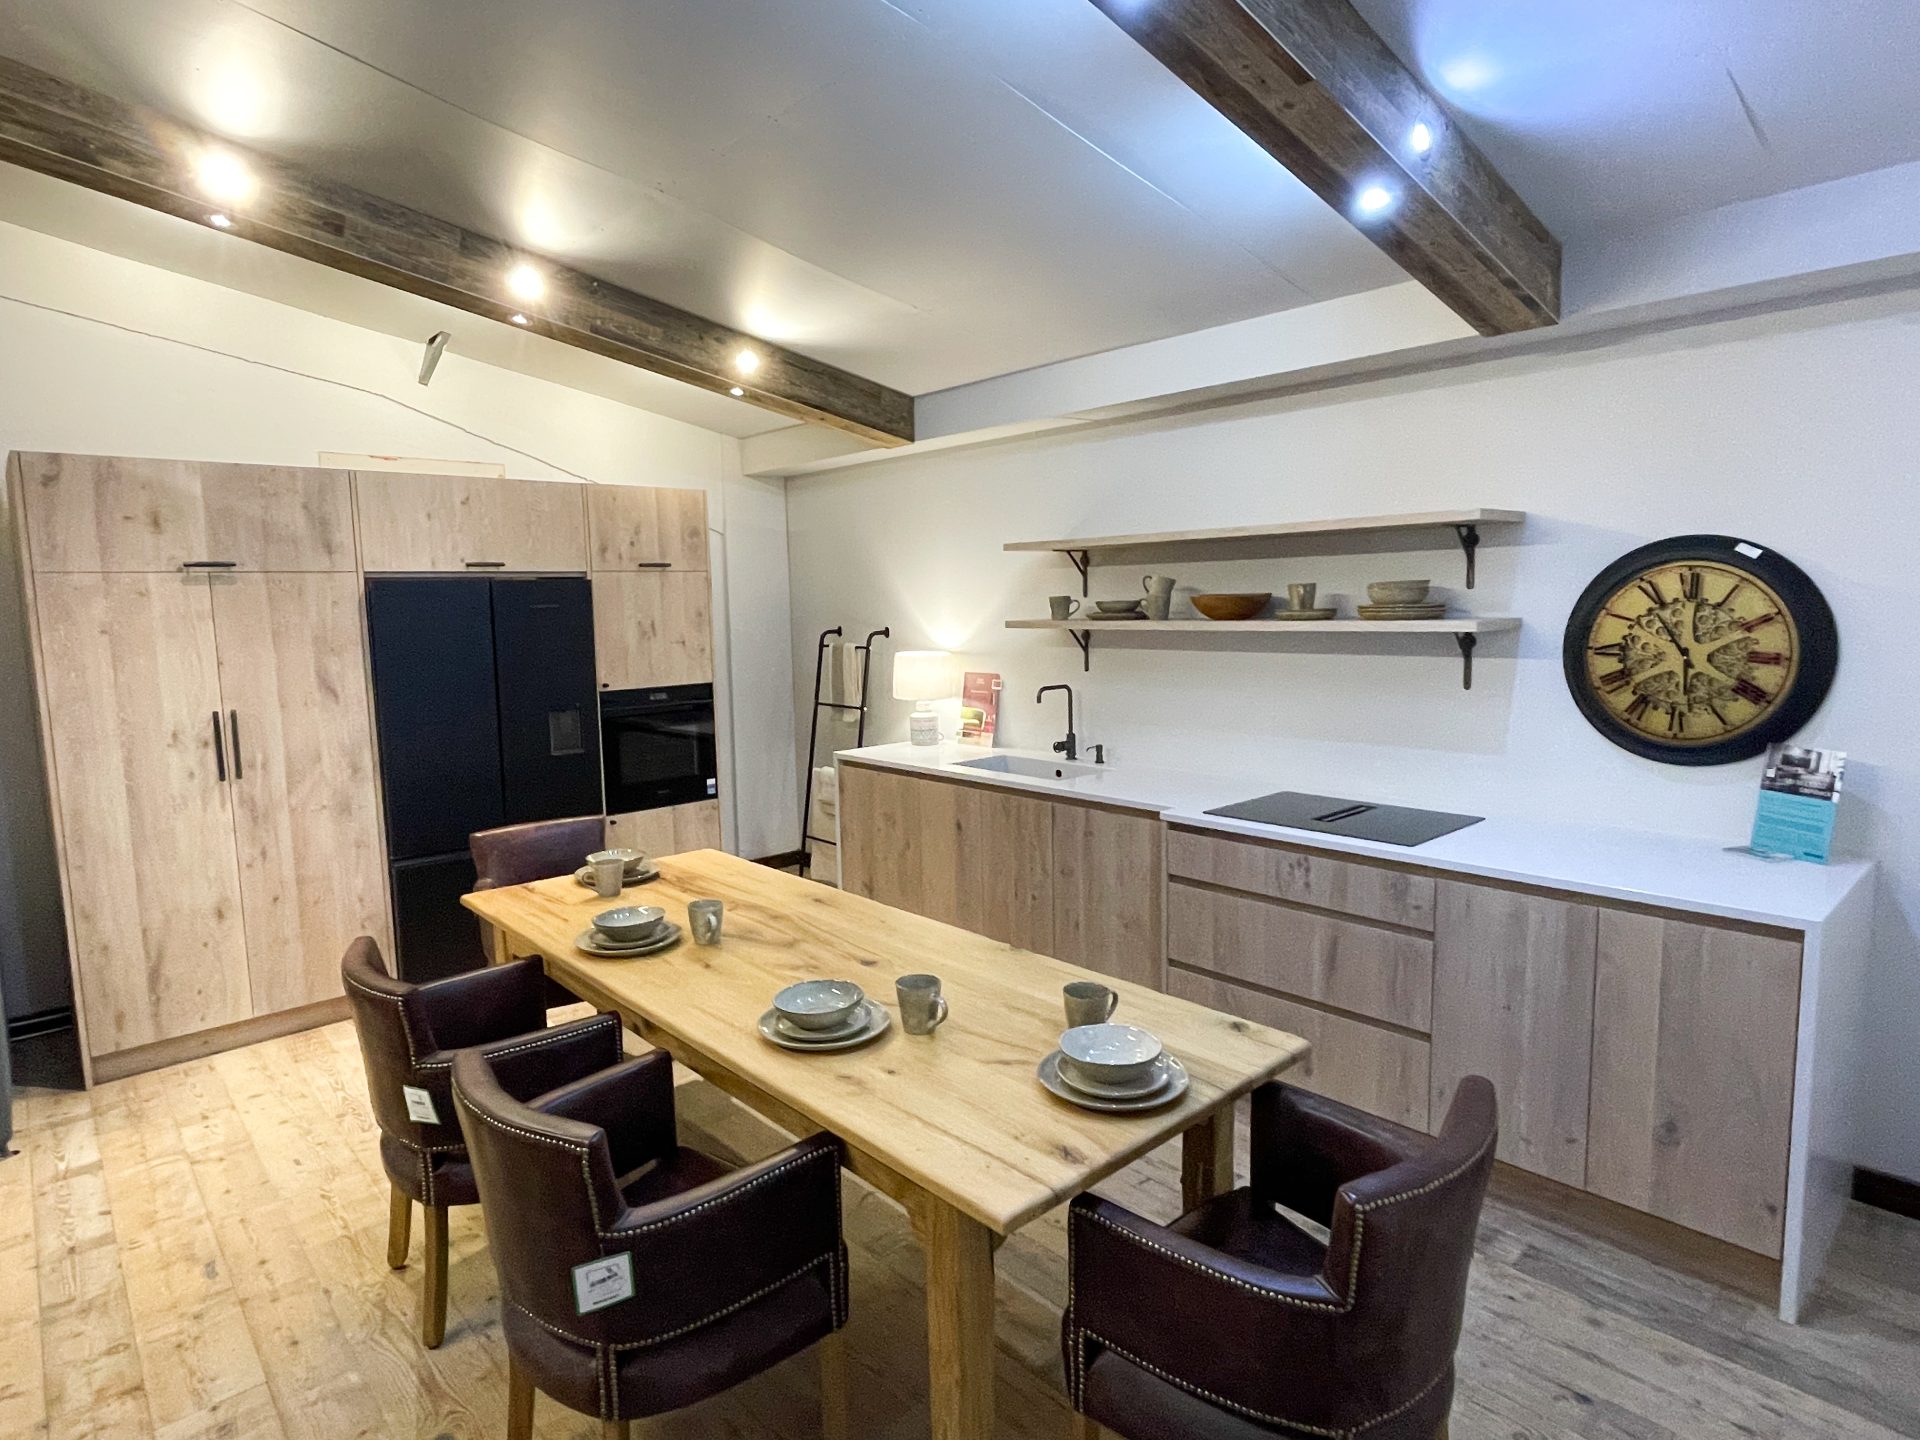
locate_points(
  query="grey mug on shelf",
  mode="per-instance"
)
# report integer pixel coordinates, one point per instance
(922, 1007)
(1300, 597)
(1089, 1003)
(1063, 607)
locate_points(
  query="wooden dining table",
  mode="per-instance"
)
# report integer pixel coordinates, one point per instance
(954, 1126)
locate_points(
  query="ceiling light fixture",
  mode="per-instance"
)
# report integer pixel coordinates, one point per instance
(224, 176)
(736, 392)
(746, 362)
(1420, 139)
(525, 282)
(517, 318)
(219, 221)
(1373, 200)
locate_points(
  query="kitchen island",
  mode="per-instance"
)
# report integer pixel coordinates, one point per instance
(1666, 1020)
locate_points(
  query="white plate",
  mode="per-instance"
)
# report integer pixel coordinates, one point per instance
(851, 1026)
(594, 943)
(633, 877)
(878, 1019)
(1048, 1074)
(1155, 1081)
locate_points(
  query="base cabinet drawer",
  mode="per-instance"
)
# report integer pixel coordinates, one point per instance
(1381, 1071)
(670, 830)
(1693, 1055)
(1302, 877)
(1369, 969)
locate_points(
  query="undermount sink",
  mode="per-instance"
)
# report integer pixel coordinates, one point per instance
(1033, 769)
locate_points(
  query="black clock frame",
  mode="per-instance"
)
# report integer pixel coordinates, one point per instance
(1819, 640)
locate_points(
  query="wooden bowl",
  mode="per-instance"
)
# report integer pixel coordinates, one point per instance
(1231, 607)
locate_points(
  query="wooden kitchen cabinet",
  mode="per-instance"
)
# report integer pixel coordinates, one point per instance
(414, 523)
(1513, 976)
(644, 527)
(1288, 873)
(103, 514)
(1108, 868)
(1693, 1062)
(965, 854)
(132, 705)
(300, 778)
(653, 627)
(669, 830)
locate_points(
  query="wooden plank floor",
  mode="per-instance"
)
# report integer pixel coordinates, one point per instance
(198, 1254)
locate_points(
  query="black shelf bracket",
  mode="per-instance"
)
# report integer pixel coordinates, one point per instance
(1469, 542)
(1467, 642)
(1084, 639)
(1081, 559)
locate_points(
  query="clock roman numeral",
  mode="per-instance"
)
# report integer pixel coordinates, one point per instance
(1765, 657)
(1690, 585)
(1755, 624)
(1637, 711)
(1676, 721)
(1616, 651)
(1651, 588)
(1750, 692)
(1727, 598)
(1613, 681)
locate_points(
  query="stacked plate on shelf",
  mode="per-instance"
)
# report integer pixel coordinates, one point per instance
(1401, 600)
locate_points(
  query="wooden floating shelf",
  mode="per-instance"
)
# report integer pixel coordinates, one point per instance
(1465, 629)
(1461, 625)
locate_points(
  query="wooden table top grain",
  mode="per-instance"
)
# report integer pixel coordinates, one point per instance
(958, 1114)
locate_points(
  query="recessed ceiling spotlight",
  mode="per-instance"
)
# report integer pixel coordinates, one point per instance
(525, 282)
(224, 176)
(1420, 139)
(736, 392)
(1373, 200)
(219, 221)
(517, 318)
(746, 362)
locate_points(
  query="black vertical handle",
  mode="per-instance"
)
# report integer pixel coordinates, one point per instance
(219, 751)
(233, 728)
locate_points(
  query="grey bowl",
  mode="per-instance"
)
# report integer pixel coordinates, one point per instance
(630, 922)
(1116, 607)
(819, 1004)
(630, 860)
(1399, 592)
(1110, 1054)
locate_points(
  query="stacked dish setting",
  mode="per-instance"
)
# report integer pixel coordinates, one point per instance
(629, 930)
(822, 1015)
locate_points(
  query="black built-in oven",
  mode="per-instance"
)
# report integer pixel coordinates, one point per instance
(658, 746)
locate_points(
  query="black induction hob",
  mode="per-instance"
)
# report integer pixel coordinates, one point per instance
(1329, 815)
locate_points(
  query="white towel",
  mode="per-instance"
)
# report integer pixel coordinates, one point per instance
(845, 665)
(826, 799)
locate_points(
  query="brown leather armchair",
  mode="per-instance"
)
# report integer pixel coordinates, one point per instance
(516, 854)
(408, 1036)
(1235, 1324)
(711, 1275)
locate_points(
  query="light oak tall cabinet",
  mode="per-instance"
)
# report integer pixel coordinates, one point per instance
(203, 706)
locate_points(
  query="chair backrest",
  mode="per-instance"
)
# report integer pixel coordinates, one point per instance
(1401, 1245)
(515, 854)
(548, 1188)
(394, 1035)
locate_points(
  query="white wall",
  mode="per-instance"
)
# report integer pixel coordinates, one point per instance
(100, 354)
(1800, 430)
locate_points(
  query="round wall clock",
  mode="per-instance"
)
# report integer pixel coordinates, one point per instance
(1700, 650)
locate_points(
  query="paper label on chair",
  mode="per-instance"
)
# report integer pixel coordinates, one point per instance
(420, 1105)
(600, 1283)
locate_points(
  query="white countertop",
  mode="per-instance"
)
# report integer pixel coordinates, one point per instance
(1641, 867)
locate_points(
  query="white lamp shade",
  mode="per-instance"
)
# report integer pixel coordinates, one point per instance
(922, 675)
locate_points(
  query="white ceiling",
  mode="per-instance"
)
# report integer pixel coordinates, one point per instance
(1611, 117)
(926, 192)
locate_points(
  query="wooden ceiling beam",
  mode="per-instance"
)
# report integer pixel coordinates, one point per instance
(64, 130)
(1312, 84)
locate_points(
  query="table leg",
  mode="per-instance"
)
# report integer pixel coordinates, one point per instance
(959, 1322)
(1206, 1159)
(502, 947)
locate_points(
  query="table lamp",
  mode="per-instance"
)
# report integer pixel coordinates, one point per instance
(923, 676)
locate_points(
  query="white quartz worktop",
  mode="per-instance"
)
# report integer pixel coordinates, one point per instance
(1640, 867)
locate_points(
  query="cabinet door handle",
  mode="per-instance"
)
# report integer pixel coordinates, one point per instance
(484, 564)
(209, 564)
(219, 751)
(653, 565)
(233, 727)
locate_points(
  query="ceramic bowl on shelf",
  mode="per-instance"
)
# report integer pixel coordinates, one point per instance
(1399, 592)
(818, 1004)
(630, 922)
(1110, 1055)
(1116, 607)
(1231, 607)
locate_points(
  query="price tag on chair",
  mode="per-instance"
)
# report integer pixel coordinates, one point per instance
(600, 1283)
(420, 1106)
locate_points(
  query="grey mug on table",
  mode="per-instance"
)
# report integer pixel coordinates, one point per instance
(608, 876)
(922, 1007)
(1089, 1003)
(1063, 607)
(703, 919)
